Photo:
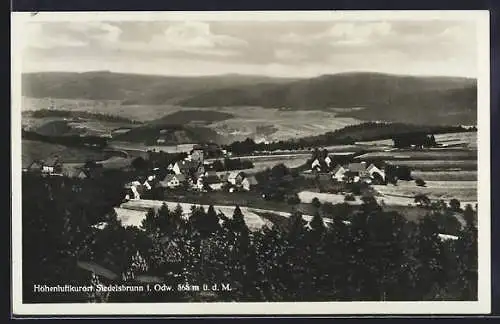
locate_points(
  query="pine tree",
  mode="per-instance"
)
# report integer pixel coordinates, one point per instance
(149, 224)
(164, 221)
(429, 267)
(317, 224)
(238, 221)
(212, 219)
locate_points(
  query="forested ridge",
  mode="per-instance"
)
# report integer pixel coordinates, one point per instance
(378, 256)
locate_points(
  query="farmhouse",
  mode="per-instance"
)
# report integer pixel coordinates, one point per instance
(328, 161)
(133, 190)
(172, 181)
(338, 173)
(74, 172)
(186, 168)
(35, 166)
(374, 172)
(235, 178)
(248, 183)
(197, 154)
(316, 165)
(211, 180)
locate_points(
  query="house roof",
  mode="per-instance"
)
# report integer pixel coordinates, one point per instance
(373, 166)
(72, 170)
(356, 167)
(211, 173)
(338, 168)
(170, 177)
(35, 163)
(251, 180)
(234, 174)
(187, 165)
(211, 179)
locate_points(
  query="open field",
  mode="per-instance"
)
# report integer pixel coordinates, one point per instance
(131, 215)
(468, 139)
(254, 122)
(133, 212)
(431, 154)
(35, 150)
(119, 145)
(464, 191)
(439, 165)
(288, 124)
(445, 175)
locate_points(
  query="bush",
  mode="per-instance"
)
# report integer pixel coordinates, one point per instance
(419, 182)
(349, 197)
(315, 202)
(293, 200)
(455, 204)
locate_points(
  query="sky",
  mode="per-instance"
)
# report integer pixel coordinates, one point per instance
(279, 48)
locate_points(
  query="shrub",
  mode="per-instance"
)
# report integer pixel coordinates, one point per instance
(419, 182)
(349, 197)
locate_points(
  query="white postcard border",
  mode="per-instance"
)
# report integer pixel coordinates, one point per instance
(482, 306)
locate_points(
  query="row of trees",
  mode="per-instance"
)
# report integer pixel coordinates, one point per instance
(231, 164)
(368, 131)
(81, 114)
(70, 140)
(378, 255)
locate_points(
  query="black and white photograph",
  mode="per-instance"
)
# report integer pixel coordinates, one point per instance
(251, 162)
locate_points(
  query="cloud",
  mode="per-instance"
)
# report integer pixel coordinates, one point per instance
(195, 38)
(343, 33)
(35, 37)
(288, 55)
(188, 37)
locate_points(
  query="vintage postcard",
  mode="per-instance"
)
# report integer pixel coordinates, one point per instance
(251, 163)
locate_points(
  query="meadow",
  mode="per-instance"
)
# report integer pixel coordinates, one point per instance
(35, 150)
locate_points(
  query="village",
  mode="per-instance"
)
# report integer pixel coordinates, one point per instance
(194, 172)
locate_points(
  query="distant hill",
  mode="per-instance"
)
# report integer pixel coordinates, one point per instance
(183, 117)
(422, 100)
(130, 88)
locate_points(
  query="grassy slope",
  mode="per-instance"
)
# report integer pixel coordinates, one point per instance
(35, 150)
(189, 116)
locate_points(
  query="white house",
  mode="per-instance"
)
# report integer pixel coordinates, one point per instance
(147, 185)
(372, 170)
(316, 165)
(248, 183)
(328, 161)
(235, 178)
(135, 192)
(338, 173)
(172, 180)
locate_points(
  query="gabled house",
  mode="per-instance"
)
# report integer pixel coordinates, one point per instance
(338, 172)
(359, 169)
(372, 170)
(235, 178)
(52, 166)
(35, 166)
(249, 182)
(74, 172)
(328, 161)
(187, 168)
(197, 154)
(316, 165)
(200, 171)
(213, 181)
(172, 181)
